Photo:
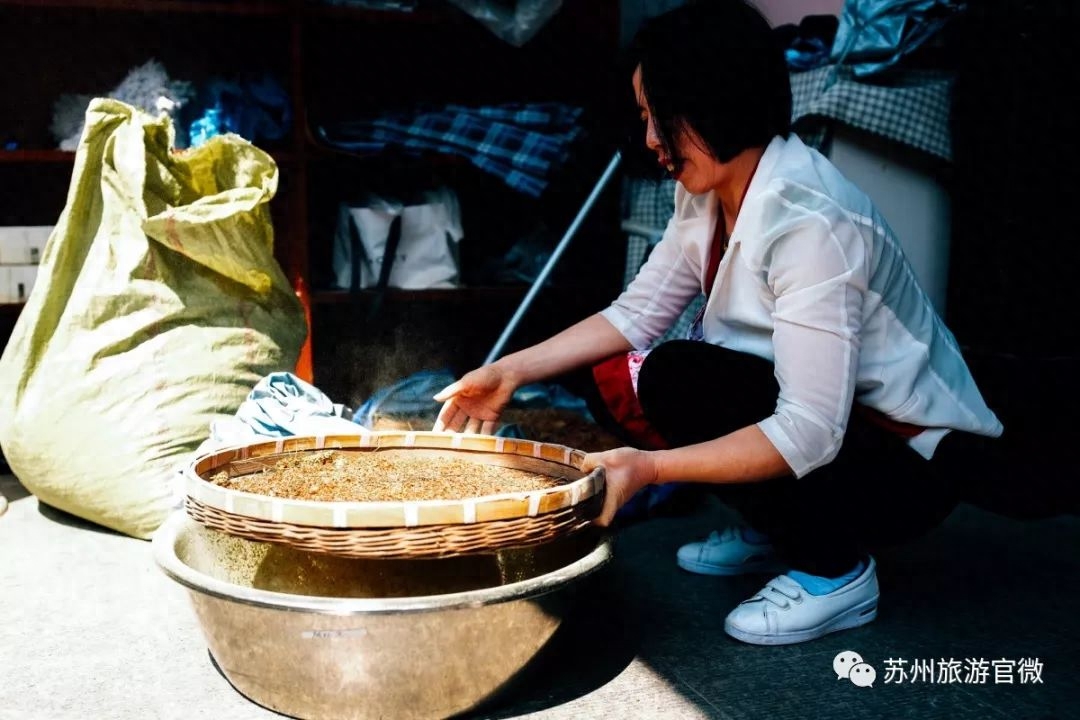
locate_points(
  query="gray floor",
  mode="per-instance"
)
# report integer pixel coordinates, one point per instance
(90, 628)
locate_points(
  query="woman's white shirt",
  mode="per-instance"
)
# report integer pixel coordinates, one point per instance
(815, 281)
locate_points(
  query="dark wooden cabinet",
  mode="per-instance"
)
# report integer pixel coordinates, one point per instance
(336, 61)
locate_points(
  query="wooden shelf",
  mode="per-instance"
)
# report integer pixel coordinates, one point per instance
(422, 15)
(240, 7)
(431, 158)
(253, 8)
(36, 156)
(59, 157)
(459, 295)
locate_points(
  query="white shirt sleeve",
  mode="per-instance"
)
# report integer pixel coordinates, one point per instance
(817, 269)
(662, 289)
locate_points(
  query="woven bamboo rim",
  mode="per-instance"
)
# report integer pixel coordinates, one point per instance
(413, 529)
(427, 542)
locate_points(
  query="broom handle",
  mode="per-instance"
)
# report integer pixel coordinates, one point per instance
(496, 351)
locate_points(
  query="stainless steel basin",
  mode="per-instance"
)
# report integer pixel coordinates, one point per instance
(320, 637)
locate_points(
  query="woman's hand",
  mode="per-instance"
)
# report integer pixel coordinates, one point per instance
(474, 402)
(626, 471)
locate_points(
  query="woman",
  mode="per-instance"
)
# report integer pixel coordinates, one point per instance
(817, 383)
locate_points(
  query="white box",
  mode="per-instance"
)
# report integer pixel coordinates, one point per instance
(16, 282)
(13, 246)
(36, 238)
(906, 186)
(6, 276)
(23, 245)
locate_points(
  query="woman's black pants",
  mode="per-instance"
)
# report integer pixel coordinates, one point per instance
(877, 491)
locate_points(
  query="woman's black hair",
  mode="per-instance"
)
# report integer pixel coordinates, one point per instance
(717, 67)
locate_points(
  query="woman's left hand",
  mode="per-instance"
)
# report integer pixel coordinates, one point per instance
(626, 471)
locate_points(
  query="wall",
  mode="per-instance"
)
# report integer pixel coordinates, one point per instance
(782, 12)
(779, 12)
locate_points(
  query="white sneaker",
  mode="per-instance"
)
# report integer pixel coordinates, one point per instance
(728, 553)
(784, 613)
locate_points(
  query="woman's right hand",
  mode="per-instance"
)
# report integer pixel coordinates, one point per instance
(474, 402)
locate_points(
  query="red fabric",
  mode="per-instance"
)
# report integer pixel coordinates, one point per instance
(903, 429)
(612, 378)
(715, 253)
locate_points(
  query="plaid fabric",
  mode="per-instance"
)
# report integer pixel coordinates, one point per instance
(521, 143)
(647, 207)
(684, 324)
(913, 108)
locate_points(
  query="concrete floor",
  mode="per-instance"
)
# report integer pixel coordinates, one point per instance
(91, 628)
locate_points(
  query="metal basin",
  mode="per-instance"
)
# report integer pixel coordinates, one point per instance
(316, 636)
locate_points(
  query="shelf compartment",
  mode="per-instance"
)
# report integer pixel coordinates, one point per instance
(60, 157)
(242, 7)
(36, 156)
(252, 8)
(459, 295)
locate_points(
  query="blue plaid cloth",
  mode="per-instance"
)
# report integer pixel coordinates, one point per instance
(521, 143)
(912, 108)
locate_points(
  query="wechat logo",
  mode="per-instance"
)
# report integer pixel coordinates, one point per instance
(850, 665)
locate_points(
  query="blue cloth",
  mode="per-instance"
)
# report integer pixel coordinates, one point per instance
(256, 108)
(523, 144)
(646, 502)
(550, 395)
(281, 405)
(810, 53)
(875, 35)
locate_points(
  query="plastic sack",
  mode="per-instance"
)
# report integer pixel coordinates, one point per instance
(158, 306)
(874, 35)
(515, 22)
(425, 251)
(408, 398)
(411, 398)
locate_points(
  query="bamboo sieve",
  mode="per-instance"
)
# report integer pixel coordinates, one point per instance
(400, 529)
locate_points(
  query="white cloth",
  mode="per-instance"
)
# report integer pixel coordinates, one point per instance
(814, 281)
(280, 405)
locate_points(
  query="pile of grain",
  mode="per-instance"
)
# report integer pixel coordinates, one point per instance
(548, 425)
(562, 427)
(333, 475)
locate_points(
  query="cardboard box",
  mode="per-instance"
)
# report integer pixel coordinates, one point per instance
(36, 238)
(23, 245)
(16, 282)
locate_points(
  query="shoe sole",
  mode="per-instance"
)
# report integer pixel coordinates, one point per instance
(759, 568)
(855, 617)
